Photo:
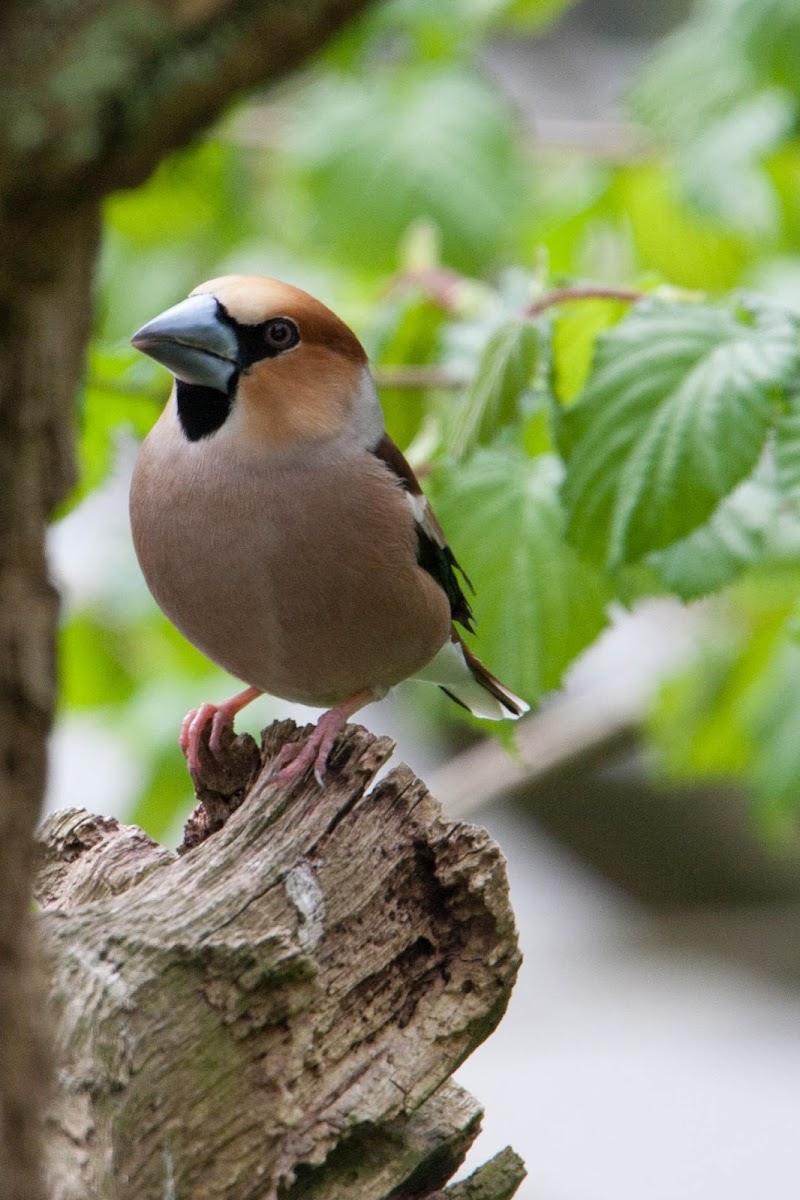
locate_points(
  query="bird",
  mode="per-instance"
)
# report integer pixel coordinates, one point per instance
(281, 530)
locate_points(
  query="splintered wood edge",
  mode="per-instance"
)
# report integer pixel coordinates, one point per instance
(83, 857)
(223, 784)
(86, 858)
(498, 1179)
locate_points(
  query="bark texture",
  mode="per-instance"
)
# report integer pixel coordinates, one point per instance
(44, 316)
(93, 93)
(275, 1012)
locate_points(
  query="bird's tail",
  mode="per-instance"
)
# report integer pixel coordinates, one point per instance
(464, 678)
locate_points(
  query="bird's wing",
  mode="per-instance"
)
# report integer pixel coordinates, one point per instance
(464, 678)
(433, 553)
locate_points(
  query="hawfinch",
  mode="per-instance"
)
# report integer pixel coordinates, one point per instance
(281, 530)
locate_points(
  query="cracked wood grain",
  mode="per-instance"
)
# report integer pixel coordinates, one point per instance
(277, 1010)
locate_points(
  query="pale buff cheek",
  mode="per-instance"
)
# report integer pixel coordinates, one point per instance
(301, 397)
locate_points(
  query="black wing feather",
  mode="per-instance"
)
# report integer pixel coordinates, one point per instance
(434, 556)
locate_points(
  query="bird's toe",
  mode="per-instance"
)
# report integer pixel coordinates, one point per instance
(192, 729)
(220, 721)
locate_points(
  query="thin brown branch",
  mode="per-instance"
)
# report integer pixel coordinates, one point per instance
(565, 295)
(439, 284)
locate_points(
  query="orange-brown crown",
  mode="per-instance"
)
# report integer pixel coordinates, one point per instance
(307, 392)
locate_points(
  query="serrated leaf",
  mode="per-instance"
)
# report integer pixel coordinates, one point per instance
(675, 414)
(504, 372)
(736, 537)
(787, 448)
(537, 604)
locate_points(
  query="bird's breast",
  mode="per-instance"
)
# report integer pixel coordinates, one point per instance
(299, 578)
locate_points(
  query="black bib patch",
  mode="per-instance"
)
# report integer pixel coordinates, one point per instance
(201, 410)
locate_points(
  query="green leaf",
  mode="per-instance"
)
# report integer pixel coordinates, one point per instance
(774, 772)
(787, 448)
(575, 331)
(424, 141)
(167, 795)
(734, 711)
(783, 169)
(528, 16)
(701, 720)
(409, 337)
(447, 30)
(165, 237)
(736, 537)
(688, 248)
(669, 97)
(746, 54)
(537, 604)
(770, 37)
(504, 372)
(121, 393)
(92, 668)
(195, 195)
(674, 415)
(724, 167)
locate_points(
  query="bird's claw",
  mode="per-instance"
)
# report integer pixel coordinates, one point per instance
(296, 757)
(193, 726)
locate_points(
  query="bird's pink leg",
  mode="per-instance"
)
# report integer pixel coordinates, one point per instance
(221, 717)
(297, 756)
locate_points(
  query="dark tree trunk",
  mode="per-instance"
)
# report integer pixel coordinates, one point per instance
(45, 320)
(92, 95)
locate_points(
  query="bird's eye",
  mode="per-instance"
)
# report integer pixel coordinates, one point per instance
(281, 333)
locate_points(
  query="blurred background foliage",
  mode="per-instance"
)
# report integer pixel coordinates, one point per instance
(580, 451)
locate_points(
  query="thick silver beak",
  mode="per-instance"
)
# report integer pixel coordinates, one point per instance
(192, 341)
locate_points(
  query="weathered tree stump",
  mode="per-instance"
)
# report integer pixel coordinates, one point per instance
(276, 1011)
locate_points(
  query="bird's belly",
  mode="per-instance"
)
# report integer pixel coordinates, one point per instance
(310, 602)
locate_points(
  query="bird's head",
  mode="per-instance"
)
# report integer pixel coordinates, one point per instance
(267, 358)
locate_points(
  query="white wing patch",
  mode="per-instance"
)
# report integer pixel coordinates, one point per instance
(449, 670)
(424, 517)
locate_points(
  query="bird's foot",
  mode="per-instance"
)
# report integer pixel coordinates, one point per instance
(193, 727)
(296, 757)
(220, 717)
